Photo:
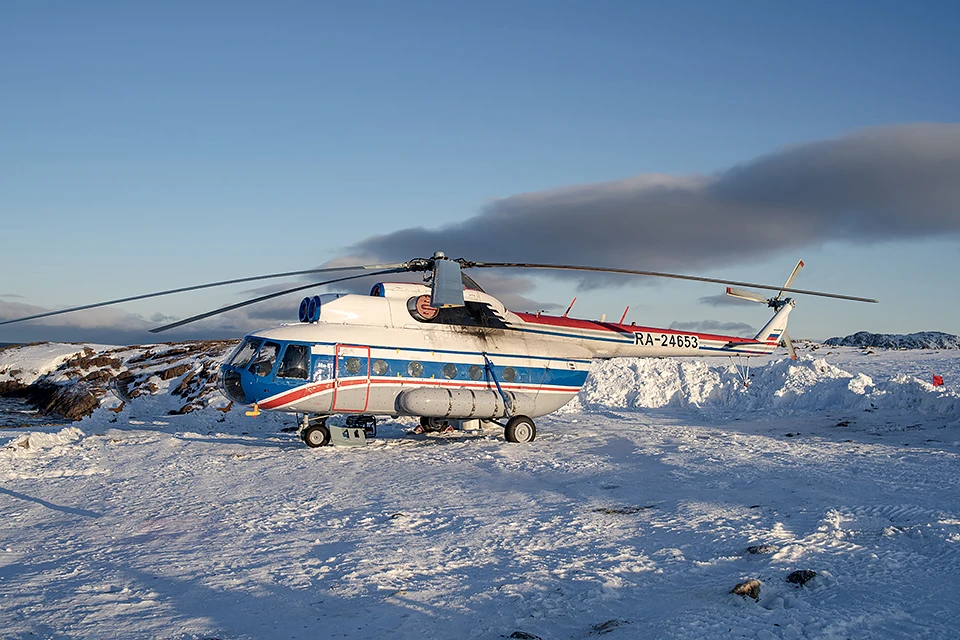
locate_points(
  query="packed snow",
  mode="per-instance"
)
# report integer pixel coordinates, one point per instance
(630, 516)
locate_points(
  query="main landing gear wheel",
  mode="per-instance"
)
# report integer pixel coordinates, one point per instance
(316, 435)
(520, 429)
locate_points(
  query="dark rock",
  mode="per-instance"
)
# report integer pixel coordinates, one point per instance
(174, 372)
(921, 340)
(523, 635)
(67, 401)
(748, 588)
(101, 375)
(606, 627)
(11, 388)
(801, 577)
(623, 511)
(762, 549)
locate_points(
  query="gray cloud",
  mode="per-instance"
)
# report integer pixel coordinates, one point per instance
(714, 326)
(884, 183)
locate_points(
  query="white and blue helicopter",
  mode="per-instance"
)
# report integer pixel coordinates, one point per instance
(445, 351)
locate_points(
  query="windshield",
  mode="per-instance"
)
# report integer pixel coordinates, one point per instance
(245, 352)
(263, 363)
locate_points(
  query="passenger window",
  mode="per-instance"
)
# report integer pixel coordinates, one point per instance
(380, 367)
(352, 365)
(415, 369)
(476, 372)
(262, 365)
(450, 371)
(295, 363)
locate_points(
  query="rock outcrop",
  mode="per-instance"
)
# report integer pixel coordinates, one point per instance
(77, 386)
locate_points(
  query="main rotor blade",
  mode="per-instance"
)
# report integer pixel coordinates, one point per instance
(209, 285)
(658, 274)
(245, 303)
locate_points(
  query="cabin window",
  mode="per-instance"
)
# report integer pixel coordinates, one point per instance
(262, 365)
(450, 371)
(380, 367)
(509, 374)
(246, 352)
(352, 365)
(295, 362)
(415, 369)
(476, 372)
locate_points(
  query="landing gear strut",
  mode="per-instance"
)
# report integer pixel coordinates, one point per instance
(520, 429)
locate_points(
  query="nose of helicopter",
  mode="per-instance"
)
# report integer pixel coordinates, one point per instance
(230, 381)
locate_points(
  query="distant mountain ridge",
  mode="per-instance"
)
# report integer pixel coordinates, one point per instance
(921, 340)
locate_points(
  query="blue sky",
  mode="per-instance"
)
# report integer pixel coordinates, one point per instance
(148, 147)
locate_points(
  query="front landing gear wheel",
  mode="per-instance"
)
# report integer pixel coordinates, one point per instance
(520, 429)
(316, 435)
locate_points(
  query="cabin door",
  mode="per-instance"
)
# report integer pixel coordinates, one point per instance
(351, 385)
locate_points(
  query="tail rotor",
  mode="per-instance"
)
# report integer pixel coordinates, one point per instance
(776, 303)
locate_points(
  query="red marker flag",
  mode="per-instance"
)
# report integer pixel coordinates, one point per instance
(937, 381)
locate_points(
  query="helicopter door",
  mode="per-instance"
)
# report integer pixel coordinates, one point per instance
(351, 387)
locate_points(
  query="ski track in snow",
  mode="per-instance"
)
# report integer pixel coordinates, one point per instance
(621, 520)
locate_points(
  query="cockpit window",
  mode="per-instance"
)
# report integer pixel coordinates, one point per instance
(295, 362)
(263, 363)
(245, 353)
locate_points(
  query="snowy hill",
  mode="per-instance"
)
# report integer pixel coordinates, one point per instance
(633, 514)
(921, 340)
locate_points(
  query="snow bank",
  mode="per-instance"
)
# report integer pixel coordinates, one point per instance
(808, 384)
(28, 363)
(36, 441)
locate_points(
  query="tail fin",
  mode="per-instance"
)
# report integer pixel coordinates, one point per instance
(775, 331)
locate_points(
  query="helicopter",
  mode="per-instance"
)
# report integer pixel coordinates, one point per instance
(445, 351)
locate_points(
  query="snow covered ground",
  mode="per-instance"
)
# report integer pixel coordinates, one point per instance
(629, 516)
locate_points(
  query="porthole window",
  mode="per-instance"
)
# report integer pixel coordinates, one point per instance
(476, 372)
(415, 369)
(450, 371)
(380, 367)
(352, 365)
(509, 374)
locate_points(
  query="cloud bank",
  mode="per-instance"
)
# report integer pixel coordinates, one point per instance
(884, 183)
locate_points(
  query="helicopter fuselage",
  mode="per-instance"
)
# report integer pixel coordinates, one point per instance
(390, 354)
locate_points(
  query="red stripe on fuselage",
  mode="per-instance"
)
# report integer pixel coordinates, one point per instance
(593, 325)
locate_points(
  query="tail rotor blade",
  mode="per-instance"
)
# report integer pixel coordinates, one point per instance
(793, 276)
(788, 343)
(746, 295)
